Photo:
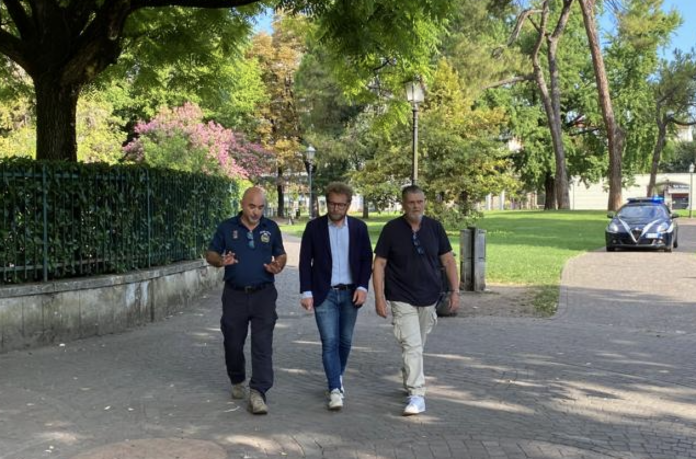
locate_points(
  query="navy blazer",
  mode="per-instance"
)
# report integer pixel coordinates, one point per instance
(315, 256)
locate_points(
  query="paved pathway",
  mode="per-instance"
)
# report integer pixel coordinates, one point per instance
(613, 375)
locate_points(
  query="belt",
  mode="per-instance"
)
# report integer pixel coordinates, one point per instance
(249, 288)
(343, 287)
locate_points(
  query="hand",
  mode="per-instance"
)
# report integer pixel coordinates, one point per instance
(273, 267)
(381, 307)
(307, 303)
(454, 301)
(359, 297)
(229, 258)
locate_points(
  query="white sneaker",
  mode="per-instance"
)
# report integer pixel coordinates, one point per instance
(335, 400)
(416, 405)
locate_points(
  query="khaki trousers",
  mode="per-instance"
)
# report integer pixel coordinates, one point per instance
(411, 327)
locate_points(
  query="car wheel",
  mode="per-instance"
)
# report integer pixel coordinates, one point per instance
(611, 249)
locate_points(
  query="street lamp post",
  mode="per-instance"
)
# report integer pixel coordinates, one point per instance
(415, 95)
(311, 151)
(691, 190)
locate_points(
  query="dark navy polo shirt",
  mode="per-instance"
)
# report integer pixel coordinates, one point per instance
(411, 277)
(232, 235)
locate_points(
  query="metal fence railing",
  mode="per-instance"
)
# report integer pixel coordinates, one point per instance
(61, 220)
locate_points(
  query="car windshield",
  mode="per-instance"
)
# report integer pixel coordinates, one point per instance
(649, 212)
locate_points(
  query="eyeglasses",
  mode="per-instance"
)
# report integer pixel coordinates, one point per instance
(337, 205)
(250, 238)
(417, 244)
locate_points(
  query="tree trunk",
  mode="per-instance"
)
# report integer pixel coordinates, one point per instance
(281, 194)
(615, 135)
(552, 101)
(56, 114)
(550, 191)
(562, 195)
(366, 209)
(657, 152)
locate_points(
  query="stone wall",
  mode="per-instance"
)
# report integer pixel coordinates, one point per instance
(36, 315)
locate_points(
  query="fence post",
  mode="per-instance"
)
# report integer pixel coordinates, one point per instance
(149, 218)
(44, 202)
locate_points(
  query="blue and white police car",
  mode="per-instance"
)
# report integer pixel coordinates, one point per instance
(642, 223)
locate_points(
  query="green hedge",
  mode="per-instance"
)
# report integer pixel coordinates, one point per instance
(61, 220)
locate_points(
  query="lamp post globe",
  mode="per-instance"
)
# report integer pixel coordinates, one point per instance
(415, 95)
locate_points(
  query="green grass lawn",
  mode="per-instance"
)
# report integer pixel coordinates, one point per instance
(525, 247)
(531, 247)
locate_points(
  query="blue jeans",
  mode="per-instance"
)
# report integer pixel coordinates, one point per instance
(336, 318)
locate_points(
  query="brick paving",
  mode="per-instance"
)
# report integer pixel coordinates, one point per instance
(612, 375)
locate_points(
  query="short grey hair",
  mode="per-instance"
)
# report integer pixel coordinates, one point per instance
(411, 189)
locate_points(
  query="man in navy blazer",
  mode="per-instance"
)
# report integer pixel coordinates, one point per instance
(335, 269)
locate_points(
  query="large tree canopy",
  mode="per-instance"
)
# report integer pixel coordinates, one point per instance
(64, 45)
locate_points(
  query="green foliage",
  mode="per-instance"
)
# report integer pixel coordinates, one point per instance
(645, 25)
(461, 158)
(187, 49)
(396, 36)
(99, 134)
(678, 156)
(227, 87)
(17, 130)
(632, 60)
(99, 130)
(15, 84)
(324, 108)
(79, 219)
(165, 47)
(473, 43)
(585, 154)
(278, 57)
(462, 155)
(377, 173)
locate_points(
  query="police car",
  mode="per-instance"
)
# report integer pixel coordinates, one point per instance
(644, 223)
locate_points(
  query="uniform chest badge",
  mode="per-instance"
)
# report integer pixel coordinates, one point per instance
(235, 234)
(265, 237)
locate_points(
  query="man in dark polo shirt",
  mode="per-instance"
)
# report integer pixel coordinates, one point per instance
(250, 247)
(407, 274)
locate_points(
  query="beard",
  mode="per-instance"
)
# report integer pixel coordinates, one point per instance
(414, 217)
(336, 217)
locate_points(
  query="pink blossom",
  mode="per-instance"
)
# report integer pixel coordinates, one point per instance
(227, 151)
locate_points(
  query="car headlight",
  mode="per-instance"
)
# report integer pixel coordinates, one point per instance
(613, 227)
(662, 227)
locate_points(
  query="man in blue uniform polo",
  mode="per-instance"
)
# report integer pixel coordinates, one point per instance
(250, 247)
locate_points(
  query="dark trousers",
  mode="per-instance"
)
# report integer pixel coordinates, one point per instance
(239, 309)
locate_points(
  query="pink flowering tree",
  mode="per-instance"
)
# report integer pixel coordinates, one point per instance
(179, 139)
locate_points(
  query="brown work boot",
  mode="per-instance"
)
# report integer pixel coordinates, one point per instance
(257, 405)
(239, 391)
